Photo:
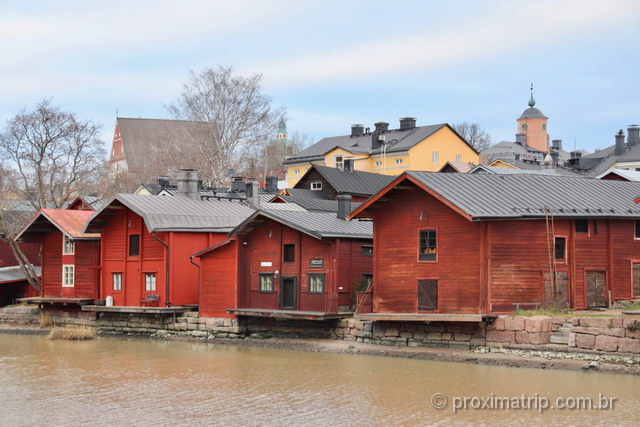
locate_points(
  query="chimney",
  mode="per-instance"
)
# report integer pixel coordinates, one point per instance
(238, 185)
(163, 181)
(557, 144)
(253, 196)
(381, 127)
(555, 153)
(620, 147)
(576, 155)
(344, 205)
(521, 139)
(188, 184)
(357, 130)
(634, 135)
(407, 123)
(271, 184)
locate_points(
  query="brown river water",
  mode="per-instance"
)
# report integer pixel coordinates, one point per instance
(111, 381)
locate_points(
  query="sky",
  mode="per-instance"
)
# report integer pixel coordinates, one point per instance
(335, 63)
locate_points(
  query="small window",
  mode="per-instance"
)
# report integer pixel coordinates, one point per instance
(366, 250)
(68, 247)
(398, 161)
(339, 162)
(434, 157)
(316, 283)
(266, 282)
(289, 253)
(458, 157)
(637, 228)
(428, 245)
(582, 226)
(378, 163)
(68, 276)
(296, 171)
(150, 282)
(316, 185)
(560, 246)
(134, 245)
(116, 279)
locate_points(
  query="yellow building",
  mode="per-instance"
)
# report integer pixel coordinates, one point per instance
(385, 151)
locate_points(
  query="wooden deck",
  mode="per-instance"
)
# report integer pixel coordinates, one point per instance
(57, 300)
(139, 310)
(424, 317)
(287, 314)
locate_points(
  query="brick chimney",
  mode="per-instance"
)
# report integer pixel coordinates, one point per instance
(634, 135)
(620, 147)
(188, 184)
(407, 123)
(344, 205)
(357, 130)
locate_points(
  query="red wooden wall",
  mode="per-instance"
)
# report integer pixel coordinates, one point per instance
(218, 281)
(31, 250)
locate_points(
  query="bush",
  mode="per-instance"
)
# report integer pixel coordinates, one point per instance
(73, 334)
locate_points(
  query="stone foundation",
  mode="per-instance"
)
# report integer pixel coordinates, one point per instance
(608, 334)
(23, 315)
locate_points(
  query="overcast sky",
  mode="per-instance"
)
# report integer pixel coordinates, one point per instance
(334, 63)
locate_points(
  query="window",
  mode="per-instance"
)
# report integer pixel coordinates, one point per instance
(378, 162)
(68, 276)
(582, 226)
(366, 250)
(316, 283)
(434, 157)
(316, 185)
(544, 126)
(134, 244)
(296, 171)
(150, 282)
(560, 246)
(637, 228)
(116, 279)
(339, 162)
(458, 157)
(289, 253)
(368, 277)
(266, 282)
(67, 246)
(428, 245)
(398, 161)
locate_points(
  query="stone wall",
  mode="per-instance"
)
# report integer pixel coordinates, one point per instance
(535, 330)
(20, 315)
(617, 334)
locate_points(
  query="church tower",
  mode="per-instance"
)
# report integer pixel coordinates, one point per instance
(282, 131)
(533, 124)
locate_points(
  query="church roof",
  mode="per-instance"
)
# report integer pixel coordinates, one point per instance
(532, 113)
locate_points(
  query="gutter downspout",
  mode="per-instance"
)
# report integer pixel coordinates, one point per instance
(167, 268)
(199, 277)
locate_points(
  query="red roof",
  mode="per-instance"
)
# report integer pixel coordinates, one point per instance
(70, 222)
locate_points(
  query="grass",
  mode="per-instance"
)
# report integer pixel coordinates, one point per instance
(44, 320)
(545, 312)
(78, 333)
(633, 306)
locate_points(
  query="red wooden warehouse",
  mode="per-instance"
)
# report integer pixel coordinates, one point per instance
(284, 261)
(147, 241)
(482, 244)
(70, 257)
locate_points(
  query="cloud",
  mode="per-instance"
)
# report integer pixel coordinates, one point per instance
(505, 27)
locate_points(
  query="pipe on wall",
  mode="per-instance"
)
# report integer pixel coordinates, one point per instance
(167, 269)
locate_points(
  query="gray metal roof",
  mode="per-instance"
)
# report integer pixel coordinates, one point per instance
(525, 196)
(15, 274)
(315, 204)
(316, 224)
(623, 173)
(177, 213)
(532, 113)
(397, 140)
(499, 170)
(507, 151)
(306, 193)
(222, 194)
(356, 182)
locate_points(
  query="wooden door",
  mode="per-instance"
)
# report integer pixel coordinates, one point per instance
(596, 289)
(132, 285)
(636, 279)
(288, 293)
(428, 294)
(556, 297)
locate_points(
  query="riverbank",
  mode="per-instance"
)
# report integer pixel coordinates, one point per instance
(534, 358)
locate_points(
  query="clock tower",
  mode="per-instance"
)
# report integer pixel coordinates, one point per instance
(533, 124)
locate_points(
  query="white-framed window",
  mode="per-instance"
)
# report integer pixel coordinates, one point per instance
(150, 282)
(398, 161)
(68, 275)
(434, 157)
(68, 247)
(339, 162)
(458, 157)
(316, 185)
(296, 171)
(116, 279)
(378, 162)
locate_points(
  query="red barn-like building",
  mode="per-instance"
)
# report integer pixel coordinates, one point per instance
(284, 261)
(147, 241)
(70, 257)
(483, 244)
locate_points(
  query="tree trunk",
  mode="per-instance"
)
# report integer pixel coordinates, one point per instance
(25, 264)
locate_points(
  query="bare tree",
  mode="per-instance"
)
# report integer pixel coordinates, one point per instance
(54, 155)
(474, 135)
(240, 119)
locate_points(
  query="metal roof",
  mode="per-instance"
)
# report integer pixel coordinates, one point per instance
(315, 204)
(70, 222)
(396, 139)
(623, 173)
(307, 194)
(220, 194)
(484, 196)
(316, 224)
(177, 213)
(356, 182)
(499, 170)
(16, 274)
(533, 113)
